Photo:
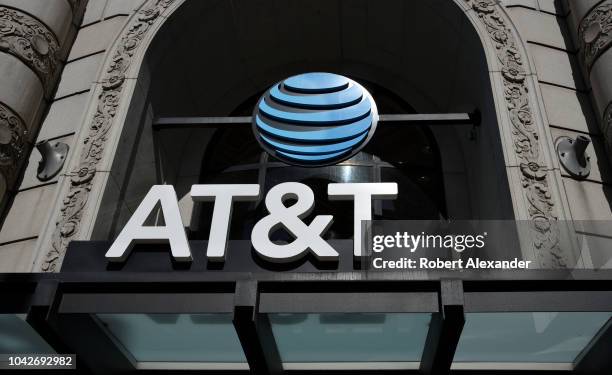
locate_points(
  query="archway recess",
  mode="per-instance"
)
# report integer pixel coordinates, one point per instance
(487, 68)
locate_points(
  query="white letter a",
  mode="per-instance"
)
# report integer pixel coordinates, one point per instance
(136, 232)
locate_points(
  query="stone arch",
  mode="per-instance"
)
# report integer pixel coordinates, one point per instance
(534, 183)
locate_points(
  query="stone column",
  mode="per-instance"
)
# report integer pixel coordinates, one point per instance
(35, 37)
(591, 24)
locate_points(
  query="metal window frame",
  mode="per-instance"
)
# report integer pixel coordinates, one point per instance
(78, 303)
(348, 297)
(49, 299)
(30, 295)
(545, 296)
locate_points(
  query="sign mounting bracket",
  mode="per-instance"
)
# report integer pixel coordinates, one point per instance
(437, 119)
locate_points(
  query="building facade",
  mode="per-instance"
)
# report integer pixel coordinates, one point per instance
(108, 90)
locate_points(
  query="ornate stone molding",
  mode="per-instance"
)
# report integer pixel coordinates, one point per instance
(81, 177)
(526, 139)
(31, 41)
(607, 129)
(13, 143)
(534, 180)
(595, 34)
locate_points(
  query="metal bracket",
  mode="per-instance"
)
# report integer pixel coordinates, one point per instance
(436, 119)
(573, 157)
(53, 159)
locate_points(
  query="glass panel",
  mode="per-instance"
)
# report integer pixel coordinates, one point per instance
(358, 158)
(176, 337)
(404, 145)
(307, 176)
(527, 337)
(385, 337)
(18, 337)
(413, 202)
(231, 146)
(247, 176)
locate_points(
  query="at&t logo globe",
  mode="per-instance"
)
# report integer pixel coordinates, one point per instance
(315, 119)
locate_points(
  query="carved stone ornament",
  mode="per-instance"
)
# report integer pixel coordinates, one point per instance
(12, 143)
(534, 174)
(31, 41)
(81, 177)
(595, 33)
(544, 222)
(607, 129)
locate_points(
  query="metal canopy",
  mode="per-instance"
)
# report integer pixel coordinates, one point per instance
(51, 298)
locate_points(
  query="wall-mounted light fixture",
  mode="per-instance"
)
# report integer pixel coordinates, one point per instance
(573, 156)
(53, 158)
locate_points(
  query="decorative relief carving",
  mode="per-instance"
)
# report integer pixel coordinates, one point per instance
(534, 180)
(607, 129)
(595, 33)
(81, 177)
(13, 143)
(31, 42)
(526, 140)
(595, 37)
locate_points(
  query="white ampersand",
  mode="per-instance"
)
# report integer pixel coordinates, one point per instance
(307, 237)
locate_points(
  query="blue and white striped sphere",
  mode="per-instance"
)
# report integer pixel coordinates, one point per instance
(315, 119)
